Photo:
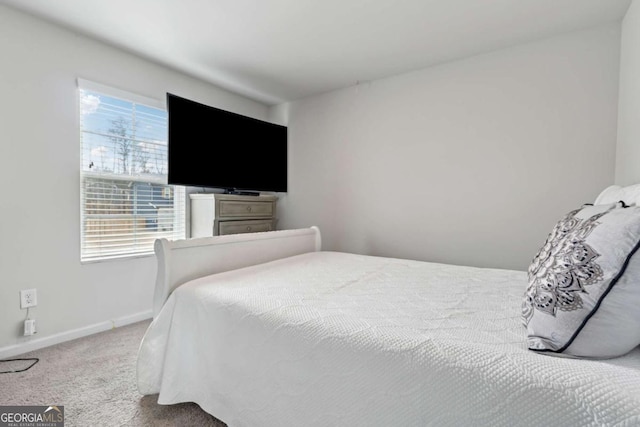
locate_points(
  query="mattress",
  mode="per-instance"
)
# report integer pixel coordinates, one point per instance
(337, 339)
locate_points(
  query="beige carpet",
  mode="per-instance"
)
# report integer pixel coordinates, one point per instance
(95, 379)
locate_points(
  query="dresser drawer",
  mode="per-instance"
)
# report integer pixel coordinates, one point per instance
(236, 227)
(214, 214)
(236, 209)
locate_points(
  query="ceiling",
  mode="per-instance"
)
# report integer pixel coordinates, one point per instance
(281, 50)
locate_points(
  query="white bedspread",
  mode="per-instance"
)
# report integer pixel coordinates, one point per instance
(334, 339)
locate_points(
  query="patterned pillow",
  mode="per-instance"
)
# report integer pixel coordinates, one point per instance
(583, 296)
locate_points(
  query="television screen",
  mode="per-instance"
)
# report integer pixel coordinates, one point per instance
(211, 147)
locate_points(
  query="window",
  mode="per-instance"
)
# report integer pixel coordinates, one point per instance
(125, 201)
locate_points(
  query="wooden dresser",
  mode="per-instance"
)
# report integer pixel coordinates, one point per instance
(216, 214)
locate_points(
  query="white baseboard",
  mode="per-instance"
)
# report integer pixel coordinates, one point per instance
(38, 343)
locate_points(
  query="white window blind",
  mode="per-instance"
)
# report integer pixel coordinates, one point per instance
(125, 201)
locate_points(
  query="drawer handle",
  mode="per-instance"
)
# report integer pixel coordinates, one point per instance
(248, 228)
(249, 208)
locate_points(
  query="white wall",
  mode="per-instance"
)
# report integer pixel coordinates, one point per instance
(628, 150)
(39, 169)
(471, 162)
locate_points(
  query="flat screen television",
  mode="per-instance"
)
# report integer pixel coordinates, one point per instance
(215, 148)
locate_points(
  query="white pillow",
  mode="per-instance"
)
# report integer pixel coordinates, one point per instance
(614, 193)
(584, 285)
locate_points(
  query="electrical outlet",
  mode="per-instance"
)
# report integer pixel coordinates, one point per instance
(28, 298)
(29, 327)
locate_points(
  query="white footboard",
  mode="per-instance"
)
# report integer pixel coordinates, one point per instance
(183, 260)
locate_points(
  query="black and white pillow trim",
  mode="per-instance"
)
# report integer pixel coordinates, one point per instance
(595, 307)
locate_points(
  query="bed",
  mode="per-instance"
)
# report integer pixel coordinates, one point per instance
(267, 329)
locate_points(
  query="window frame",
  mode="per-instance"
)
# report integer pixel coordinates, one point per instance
(179, 195)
